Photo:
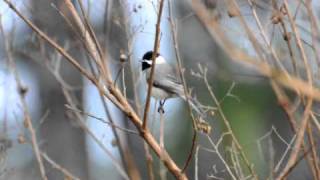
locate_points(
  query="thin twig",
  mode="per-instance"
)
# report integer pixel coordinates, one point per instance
(289, 146)
(314, 26)
(112, 93)
(121, 148)
(163, 171)
(307, 110)
(149, 160)
(154, 55)
(296, 84)
(83, 125)
(229, 128)
(89, 38)
(111, 124)
(314, 156)
(315, 121)
(67, 174)
(196, 163)
(285, 105)
(263, 34)
(299, 159)
(22, 91)
(221, 158)
(185, 87)
(299, 43)
(299, 140)
(55, 73)
(89, 28)
(130, 36)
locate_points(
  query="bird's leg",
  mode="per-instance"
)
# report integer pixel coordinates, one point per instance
(161, 104)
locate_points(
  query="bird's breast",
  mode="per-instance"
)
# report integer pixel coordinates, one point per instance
(160, 93)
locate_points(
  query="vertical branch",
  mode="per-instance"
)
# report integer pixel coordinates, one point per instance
(263, 33)
(285, 105)
(149, 161)
(163, 171)
(315, 33)
(314, 156)
(196, 166)
(22, 91)
(306, 115)
(299, 141)
(90, 43)
(88, 27)
(154, 55)
(185, 87)
(115, 133)
(110, 119)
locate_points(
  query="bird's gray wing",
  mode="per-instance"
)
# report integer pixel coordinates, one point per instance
(167, 79)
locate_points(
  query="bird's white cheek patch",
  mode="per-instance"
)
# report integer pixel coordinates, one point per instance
(147, 61)
(160, 60)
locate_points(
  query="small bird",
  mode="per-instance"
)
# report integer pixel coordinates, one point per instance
(166, 82)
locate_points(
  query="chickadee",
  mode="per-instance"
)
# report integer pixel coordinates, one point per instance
(166, 83)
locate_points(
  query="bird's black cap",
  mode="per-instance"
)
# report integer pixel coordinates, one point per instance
(148, 55)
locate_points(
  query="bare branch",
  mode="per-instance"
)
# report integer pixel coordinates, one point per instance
(22, 91)
(110, 91)
(154, 55)
(67, 174)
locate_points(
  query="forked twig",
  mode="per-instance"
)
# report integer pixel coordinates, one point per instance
(67, 174)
